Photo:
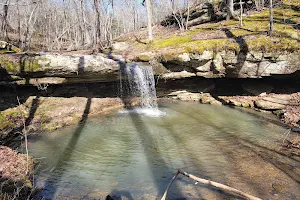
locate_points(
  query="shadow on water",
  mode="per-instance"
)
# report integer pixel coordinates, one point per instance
(151, 149)
(282, 162)
(118, 194)
(66, 154)
(154, 158)
(193, 158)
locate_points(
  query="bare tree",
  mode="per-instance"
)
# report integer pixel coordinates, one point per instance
(97, 16)
(81, 24)
(229, 9)
(271, 18)
(4, 26)
(29, 26)
(149, 18)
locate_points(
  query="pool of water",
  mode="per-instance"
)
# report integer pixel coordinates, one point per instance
(134, 156)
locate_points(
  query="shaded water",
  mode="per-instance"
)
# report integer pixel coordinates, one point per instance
(134, 156)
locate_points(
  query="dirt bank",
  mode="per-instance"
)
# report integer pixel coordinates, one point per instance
(15, 174)
(42, 114)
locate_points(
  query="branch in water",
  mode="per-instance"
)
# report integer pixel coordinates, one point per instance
(212, 183)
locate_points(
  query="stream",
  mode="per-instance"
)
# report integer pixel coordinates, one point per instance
(134, 156)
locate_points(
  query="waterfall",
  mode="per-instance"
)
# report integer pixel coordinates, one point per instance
(137, 87)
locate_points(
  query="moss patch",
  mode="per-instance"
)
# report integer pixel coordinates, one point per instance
(3, 51)
(291, 2)
(31, 65)
(21, 66)
(8, 65)
(11, 118)
(228, 35)
(171, 41)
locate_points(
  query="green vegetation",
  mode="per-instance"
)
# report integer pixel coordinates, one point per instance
(10, 117)
(252, 35)
(31, 65)
(3, 51)
(22, 66)
(172, 41)
(8, 65)
(291, 2)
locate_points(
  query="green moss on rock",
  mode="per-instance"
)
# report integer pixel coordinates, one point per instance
(8, 65)
(22, 66)
(31, 65)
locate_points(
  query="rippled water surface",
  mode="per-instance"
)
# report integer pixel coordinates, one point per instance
(133, 156)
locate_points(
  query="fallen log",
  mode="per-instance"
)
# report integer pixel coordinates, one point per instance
(212, 183)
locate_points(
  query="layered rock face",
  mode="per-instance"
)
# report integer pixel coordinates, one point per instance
(61, 68)
(230, 64)
(55, 68)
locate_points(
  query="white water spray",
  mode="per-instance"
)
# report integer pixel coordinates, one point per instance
(138, 84)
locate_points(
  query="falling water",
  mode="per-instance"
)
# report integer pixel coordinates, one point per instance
(137, 87)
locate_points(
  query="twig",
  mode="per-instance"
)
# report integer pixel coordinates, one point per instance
(173, 179)
(212, 183)
(286, 134)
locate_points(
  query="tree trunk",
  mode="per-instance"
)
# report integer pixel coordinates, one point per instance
(149, 16)
(241, 13)
(271, 18)
(19, 25)
(97, 14)
(229, 9)
(28, 29)
(4, 34)
(188, 15)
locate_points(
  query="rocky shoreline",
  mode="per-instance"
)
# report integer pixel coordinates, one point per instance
(286, 107)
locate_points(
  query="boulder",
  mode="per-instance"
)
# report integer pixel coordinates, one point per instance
(269, 105)
(175, 93)
(218, 63)
(3, 44)
(145, 57)
(267, 68)
(178, 75)
(8, 47)
(206, 55)
(188, 96)
(206, 98)
(283, 99)
(120, 46)
(206, 67)
(184, 57)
